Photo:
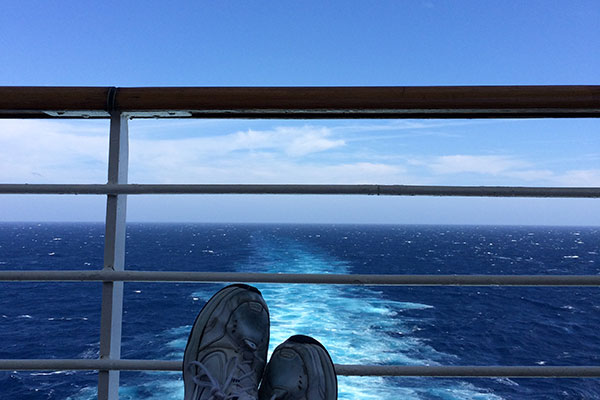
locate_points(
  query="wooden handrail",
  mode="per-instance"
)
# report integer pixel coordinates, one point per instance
(303, 102)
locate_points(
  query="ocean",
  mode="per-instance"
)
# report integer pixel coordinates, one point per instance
(366, 325)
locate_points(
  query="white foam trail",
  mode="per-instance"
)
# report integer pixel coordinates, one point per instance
(357, 325)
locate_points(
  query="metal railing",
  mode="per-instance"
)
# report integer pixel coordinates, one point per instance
(121, 104)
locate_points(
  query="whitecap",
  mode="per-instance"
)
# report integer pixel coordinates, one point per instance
(506, 381)
(90, 353)
(413, 306)
(86, 393)
(158, 389)
(178, 344)
(462, 394)
(48, 373)
(180, 330)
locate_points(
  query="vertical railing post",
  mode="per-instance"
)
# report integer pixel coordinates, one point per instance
(114, 256)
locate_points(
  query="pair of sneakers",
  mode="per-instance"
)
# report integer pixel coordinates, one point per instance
(225, 356)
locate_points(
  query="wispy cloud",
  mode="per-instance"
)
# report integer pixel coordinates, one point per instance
(66, 151)
(293, 141)
(34, 151)
(271, 170)
(460, 163)
(279, 155)
(579, 177)
(510, 167)
(417, 127)
(267, 155)
(53, 151)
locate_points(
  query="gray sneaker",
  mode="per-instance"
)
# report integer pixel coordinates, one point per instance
(300, 369)
(226, 352)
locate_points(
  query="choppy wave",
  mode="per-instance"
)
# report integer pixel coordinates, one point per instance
(359, 325)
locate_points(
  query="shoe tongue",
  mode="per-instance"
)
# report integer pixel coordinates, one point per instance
(249, 352)
(244, 383)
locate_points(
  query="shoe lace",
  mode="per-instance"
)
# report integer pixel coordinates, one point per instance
(234, 387)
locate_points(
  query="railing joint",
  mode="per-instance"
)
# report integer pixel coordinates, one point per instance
(111, 99)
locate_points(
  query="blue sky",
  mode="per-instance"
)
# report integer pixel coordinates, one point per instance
(294, 43)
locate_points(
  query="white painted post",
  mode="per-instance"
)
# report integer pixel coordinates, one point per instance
(114, 257)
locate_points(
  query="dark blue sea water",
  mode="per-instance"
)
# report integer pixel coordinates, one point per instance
(389, 325)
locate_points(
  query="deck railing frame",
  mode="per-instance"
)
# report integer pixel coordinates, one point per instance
(121, 104)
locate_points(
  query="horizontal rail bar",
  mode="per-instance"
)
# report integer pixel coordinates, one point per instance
(291, 189)
(470, 371)
(303, 102)
(341, 369)
(89, 364)
(331, 279)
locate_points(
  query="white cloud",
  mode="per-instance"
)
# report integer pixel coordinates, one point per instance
(494, 165)
(311, 143)
(532, 175)
(257, 170)
(513, 168)
(240, 156)
(296, 141)
(178, 163)
(584, 177)
(35, 151)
